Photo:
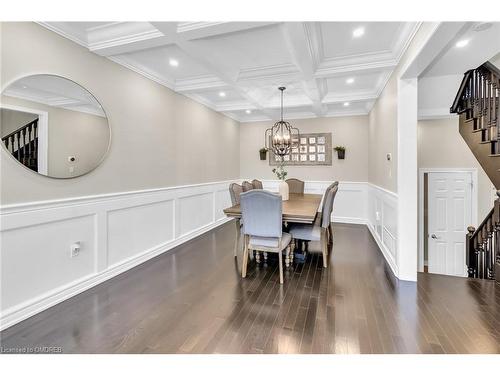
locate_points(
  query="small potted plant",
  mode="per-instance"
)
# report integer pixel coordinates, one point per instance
(340, 152)
(281, 173)
(263, 153)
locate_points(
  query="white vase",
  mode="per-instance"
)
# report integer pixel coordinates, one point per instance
(283, 189)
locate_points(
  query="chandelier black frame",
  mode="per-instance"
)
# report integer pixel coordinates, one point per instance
(279, 138)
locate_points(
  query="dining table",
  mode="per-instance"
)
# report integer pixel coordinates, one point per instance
(299, 208)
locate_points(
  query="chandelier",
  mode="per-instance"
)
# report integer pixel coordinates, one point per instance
(281, 136)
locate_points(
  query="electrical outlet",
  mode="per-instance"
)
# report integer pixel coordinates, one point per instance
(377, 215)
(75, 249)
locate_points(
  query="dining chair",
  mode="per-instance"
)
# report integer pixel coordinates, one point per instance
(318, 231)
(295, 186)
(257, 184)
(247, 186)
(234, 191)
(262, 213)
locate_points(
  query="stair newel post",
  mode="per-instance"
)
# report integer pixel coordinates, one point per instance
(471, 252)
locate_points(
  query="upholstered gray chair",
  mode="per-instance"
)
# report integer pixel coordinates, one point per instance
(234, 191)
(295, 186)
(318, 231)
(257, 184)
(262, 213)
(247, 186)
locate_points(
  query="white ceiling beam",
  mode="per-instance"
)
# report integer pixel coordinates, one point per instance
(305, 45)
(199, 30)
(339, 68)
(358, 97)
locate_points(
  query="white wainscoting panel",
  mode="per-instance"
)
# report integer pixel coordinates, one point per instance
(194, 212)
(116, 232)
(36, 258)
(134, 230)
(119, 231)
(382, 222)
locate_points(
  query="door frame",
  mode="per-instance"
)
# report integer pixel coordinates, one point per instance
(474, 203)
(43, 134)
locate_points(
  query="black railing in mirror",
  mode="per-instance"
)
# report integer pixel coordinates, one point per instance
(22, 143)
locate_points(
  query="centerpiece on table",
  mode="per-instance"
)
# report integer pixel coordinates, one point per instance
(281, 173)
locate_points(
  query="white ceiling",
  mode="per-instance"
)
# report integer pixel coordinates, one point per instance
(247, 61)
(55, 91)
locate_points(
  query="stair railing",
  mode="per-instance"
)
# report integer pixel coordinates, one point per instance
(483, 247)
(479, 98)
(22, 143)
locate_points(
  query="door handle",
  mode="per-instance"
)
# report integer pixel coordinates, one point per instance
(434, 236)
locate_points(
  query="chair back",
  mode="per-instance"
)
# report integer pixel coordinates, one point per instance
(326, 214)
(247, 186)
(257, 184)
(235, 190)
(262, 213)
(295, 186)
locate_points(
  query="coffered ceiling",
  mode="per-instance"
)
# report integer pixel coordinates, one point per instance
(329, 69)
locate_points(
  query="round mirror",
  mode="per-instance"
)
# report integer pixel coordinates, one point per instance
(53, 126)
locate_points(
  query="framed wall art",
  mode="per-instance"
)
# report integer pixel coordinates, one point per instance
(309, 149)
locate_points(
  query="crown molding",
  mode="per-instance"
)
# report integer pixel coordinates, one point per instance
(50, 26)
(121, 60)
(199, 83)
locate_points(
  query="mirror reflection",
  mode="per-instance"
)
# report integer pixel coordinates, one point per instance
(53, 126)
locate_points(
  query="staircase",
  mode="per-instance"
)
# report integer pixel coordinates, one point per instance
(477, 104)
(23, 144)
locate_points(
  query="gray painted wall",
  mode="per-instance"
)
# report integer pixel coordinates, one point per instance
(159, 138)
(350, 132)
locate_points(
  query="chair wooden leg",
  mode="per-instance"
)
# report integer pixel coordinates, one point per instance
(324, 247)
(280, 261)
(245, 257)
(238, 236)
(287, 256)
(292, 252)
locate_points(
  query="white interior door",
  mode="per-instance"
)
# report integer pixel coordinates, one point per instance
(449, 215)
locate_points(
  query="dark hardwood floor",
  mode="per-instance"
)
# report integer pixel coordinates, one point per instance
(193, 300)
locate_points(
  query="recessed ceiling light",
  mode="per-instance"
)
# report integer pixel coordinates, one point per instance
(462, 43)
(173, 62)
(24, 87)
(248, 111)
(346, 104)
(222, 94)
(349, 81)
(358, 32)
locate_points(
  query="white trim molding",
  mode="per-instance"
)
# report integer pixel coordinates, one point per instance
(115, 232)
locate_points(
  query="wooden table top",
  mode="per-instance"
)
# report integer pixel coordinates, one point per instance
(300, 208)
